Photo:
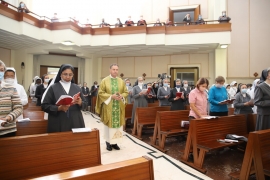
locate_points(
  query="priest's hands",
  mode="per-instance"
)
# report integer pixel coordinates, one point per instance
(63, 108)
(117, 97)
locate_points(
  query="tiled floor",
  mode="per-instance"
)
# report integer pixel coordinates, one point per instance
(165, 167)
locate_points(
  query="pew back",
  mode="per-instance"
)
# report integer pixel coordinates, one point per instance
(133, 169)
(148, 114)
(31, 127)
(251, 121)
(34, 115)
(40, 155)
(170, 120)
(128, 111)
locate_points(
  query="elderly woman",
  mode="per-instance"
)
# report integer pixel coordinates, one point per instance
(139, 94)
(243, 103)
(163, 93)
(262, 101)
(10, 103)
(217, 94)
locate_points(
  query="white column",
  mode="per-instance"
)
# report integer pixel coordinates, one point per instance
(88, 71)
(221, 62)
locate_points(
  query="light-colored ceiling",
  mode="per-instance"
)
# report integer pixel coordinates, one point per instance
(15, 42)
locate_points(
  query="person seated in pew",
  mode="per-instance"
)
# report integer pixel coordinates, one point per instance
(129, 22)
(198, 99)
(224, 18)
(158, 23)
(64, 117)
(42, 88)
(262, 101)
(139, 94)
(151, 94)
(130, 89)
(118, 23)
(22, 8)
(4, 3)
(104, 24)
(141, 22)
(10, 105)
(217, 94)
(243, 103)
(54, 18)
(187, 19)
(178, 102)
(33, 89)
(200, 20)
(163, 93)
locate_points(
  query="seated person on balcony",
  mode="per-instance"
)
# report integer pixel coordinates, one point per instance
(129, 22)
(4, 3)
(187, 19)
(87, 24)
(54, 18)
(74, 19)
(200, 20)
(118, 23)
(22, 7)
(141, 22)
(104, 24)
(158, 23)
(224, 18)
(168, 23)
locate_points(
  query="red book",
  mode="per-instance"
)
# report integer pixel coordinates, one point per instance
(179, 94)
(148, 90)
(67, 100)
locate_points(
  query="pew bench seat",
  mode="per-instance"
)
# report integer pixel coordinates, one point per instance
(214, 145)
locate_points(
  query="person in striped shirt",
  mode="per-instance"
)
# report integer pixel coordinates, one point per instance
(10, 105)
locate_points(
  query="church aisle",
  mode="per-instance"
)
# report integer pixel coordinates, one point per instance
(165, 167)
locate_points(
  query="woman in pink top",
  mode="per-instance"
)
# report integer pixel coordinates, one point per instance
(198, 100)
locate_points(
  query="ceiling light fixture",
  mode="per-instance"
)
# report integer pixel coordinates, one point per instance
(68, 43)
(223, 46)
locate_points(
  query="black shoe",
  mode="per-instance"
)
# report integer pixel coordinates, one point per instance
(115, 146)
(109, 147)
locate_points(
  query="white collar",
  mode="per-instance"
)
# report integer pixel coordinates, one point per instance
(112, 77)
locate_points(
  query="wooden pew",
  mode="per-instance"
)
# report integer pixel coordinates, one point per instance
(145, 117)
(257, 157)
(31, 127)
(168, 124)
(34, 115)
(128, 114)
(187, 107)
(133, 169)
(155, 104)
(251, 121)
(230, 111)
(33, 156)
(203, 135)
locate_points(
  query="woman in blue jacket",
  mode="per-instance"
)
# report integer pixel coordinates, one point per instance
(217, 94)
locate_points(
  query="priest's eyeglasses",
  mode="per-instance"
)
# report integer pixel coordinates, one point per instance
(66, 74)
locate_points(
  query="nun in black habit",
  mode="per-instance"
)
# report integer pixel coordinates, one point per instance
(262, 101)
(63, 118)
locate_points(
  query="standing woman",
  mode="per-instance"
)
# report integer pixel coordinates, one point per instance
(198, 100)
(262, 101)
(178, 103)
(218, 93)
(64, 117)
(243, 103)
(139, 97)
(41, 88)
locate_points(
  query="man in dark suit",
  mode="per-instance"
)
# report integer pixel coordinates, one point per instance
(178, 102)
(86, 92)
(141, 22)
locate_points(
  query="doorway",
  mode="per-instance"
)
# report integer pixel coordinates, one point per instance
(190, 74)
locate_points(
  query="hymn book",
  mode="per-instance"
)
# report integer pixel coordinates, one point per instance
(179, 94)
(67, 100)
(230, 101)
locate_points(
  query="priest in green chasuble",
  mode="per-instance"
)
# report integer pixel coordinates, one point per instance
(110, 105)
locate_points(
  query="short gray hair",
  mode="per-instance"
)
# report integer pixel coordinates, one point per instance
(166, 79)
(184, 81)
(114, 64)
(178, 80)
(140, 77)
(127, 79)
(3, 64)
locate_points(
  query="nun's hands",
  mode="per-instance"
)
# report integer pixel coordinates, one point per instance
(63, 108)
(78, 101)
